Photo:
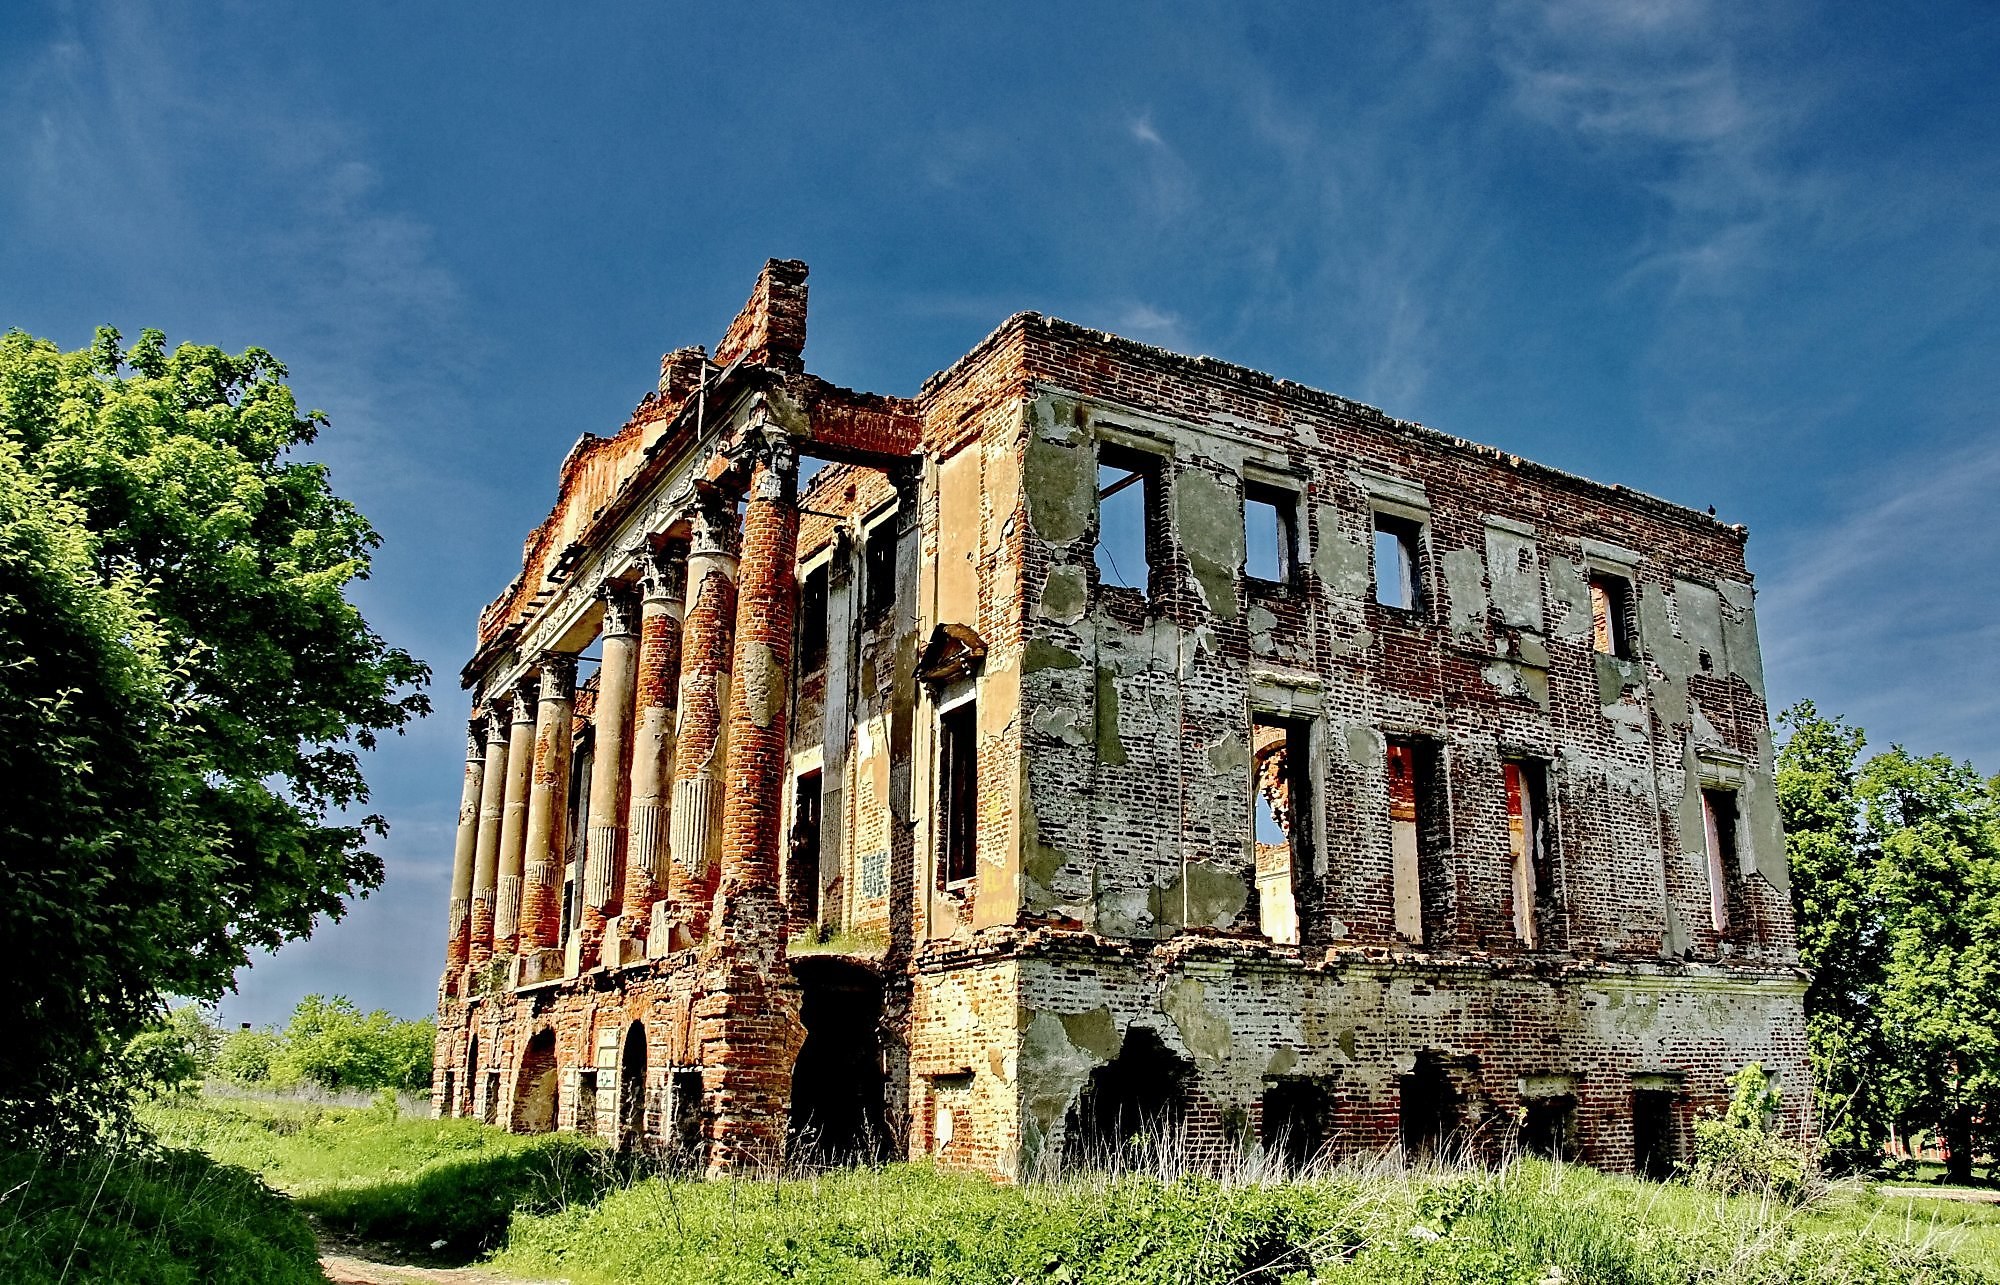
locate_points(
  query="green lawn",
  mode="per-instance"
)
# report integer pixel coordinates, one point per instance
(559, 1207)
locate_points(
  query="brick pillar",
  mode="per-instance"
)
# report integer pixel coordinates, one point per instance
(459, 941)
(707, 638)
(548, 814)
(663, 600)
(749, 1020)
(514, 819)
(486, 857)
(604, 842)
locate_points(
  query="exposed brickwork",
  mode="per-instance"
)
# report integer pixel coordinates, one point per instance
(1119, 906)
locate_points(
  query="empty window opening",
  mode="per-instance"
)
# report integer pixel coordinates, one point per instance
(684, 1141)
(1531, 845)
(581, 766)
(1429, 1108)
(837, 1114)
(1298, 1124)
(535, 1089)
(632, 1130)
(1270, 533)
(958, 792)
(1132, 1109)
(490, 1113)
(1417, 838)
(1548, 1127)
(471, 1106)
(812, 618)
(586, 1102)
(878, 573)
(1655, 1153)
(1726, 909)
(447, 1104)
(802, 853)
(1281, 805)
(1611, 614)
(1398, 554)
(1127, 499)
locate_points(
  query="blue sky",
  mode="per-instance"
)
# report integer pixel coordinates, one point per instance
(1740, 255)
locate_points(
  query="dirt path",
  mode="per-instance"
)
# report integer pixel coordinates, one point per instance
(1943, 1193)
(347, 1264)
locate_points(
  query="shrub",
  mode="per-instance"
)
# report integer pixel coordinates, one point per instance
(330, 1043)
(1743, 1153)
(246, 1056)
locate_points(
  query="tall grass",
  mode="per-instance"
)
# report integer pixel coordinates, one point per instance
(170, 1217)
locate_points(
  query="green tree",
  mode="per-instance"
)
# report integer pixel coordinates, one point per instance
(246, 1056)
(1935, 831)
(185, 690)
(1841, 930)
(331, 1043)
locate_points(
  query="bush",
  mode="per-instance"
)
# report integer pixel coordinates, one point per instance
(1743, 1154)
(246, 1056)
(330, 1043)
(166, 1217)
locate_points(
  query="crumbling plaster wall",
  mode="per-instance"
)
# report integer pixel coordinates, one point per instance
(1136, 811)
(1245, 1020)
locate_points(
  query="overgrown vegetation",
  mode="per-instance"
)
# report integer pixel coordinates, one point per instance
(1743, 1154)
(184, 692)
(1895, 866)
(557, 1206)
(170, 1217)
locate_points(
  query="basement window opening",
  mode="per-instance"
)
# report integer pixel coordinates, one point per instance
(1611, 628)
(1270, 533)
(1531, 849)
(1127, 502)
(1281, 805)
(1398, 555)
(958, 792)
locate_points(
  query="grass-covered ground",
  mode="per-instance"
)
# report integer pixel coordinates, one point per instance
(151, 1216)
(557, 1207)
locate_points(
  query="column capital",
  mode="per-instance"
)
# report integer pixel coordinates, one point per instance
(621, 611)
(525, 693)
(475, 737)
(664, 574)
(496, 722)
(558, 669)
(773, 460)
(712, 523)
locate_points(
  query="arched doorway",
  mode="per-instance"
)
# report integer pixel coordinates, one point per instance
(837, 1115)
(535, 1089)
(472, 1075)
(632, 1088)
(1131, 1106)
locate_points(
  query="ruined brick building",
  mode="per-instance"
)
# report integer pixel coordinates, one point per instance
(1103, 736)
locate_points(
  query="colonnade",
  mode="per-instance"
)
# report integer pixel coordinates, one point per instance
(682, 815)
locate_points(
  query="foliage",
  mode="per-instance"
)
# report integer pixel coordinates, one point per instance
(246, 1056)
(175, 1053)
(172, 1217)
(184, 690)
(1896, 878)
(1742, 1154)
(332, 1044)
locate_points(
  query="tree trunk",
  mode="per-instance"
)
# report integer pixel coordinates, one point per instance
(1958, 1147)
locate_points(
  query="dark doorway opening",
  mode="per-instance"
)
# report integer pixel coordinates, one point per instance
(535, 1090)
(837, 1116)
(471, 1078)
(1298, 1123)
(491, 1115)
(684, 1148)
(802, 854)
(632, 1089)
(1654, 1154)
(447, 1102)
(1548, 1127)
(1430, 1109)
(1137, 1100)
(586, 1102)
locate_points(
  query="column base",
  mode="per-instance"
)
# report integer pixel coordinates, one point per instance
(620, 946)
